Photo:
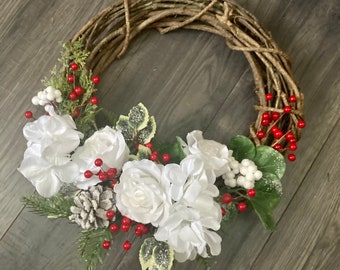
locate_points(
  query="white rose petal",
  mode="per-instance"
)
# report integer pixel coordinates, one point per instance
(142, 193)
(214, 154)
(107, 144)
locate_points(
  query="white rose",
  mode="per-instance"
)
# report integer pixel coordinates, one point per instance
(107, 144)
(56, 134)
(195, 215)
(46, 174)
(142, 193)
(214, 154)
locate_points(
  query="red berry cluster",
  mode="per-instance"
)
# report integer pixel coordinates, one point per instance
(227, 198)
(125, 225)
(154, 156)
(103, 175)
(268, 122)
(78, 91)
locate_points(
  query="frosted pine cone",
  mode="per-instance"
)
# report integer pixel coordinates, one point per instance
(91, 206)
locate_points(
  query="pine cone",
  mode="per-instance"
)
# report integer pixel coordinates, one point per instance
(90, 207)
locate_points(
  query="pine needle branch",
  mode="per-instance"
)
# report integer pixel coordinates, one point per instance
(90, 246)
(57, 206)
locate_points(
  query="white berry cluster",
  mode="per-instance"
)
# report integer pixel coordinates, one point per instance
(46, 96)
(242, 174)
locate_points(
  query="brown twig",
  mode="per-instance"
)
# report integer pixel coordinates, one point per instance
(108, 34)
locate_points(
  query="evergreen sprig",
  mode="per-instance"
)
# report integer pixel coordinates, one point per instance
(81, 109)
(90, 246)
(57, 206)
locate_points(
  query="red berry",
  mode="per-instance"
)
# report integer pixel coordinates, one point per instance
(153, 157)
(166, 157)
(260, 134)
(78, 90)
(70, 78)
(140, 227)
(146, 230)
(76, 113)
(277, 146)
(292, 146)
(301, 124)
(98, 162)
(149, 145)
(274, 129)
(28, 114)
(127, 245)
(102, 176)
(291, 157)
(88, 174)
(106, 244)
(110, 214)
(251, 193)
(266, 115)
(138, 233)
(292, 99)
(289, 136)
(275, 116)
(265, 122)
(94, 100)
(226, 198)
(242, 206)
(113, 183)
(125, 228)
(287, 109)
(72, 95)
(95, 79)
(277, 134)
(114, 227)
(111, 173)
(74, 66)
(223, 211)
(126, 221)
(293, 140)
(269, 96)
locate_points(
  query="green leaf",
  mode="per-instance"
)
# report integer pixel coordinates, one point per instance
(269, 160)
(242, 148)
(143, 152)
(268, 196)
(90, 246)
(57, 206)
(109, 117)
(139, 116)
(146, 134)
(127, 129)
(175, 149)
(154, 254)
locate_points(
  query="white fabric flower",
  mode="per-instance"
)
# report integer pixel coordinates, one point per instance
(56, 134)
(107, 144)
(195, 215)
(46, 174)
(142, 193)
(46, 161)
(214, 154)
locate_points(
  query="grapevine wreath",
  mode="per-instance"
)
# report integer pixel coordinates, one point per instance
(117, 178)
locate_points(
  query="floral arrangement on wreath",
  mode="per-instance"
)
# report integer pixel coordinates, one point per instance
(117, 178)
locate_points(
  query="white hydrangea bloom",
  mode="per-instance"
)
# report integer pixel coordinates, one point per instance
(46, 161)
(194, 216)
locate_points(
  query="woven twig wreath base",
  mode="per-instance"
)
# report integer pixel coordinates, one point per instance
(109, 33)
